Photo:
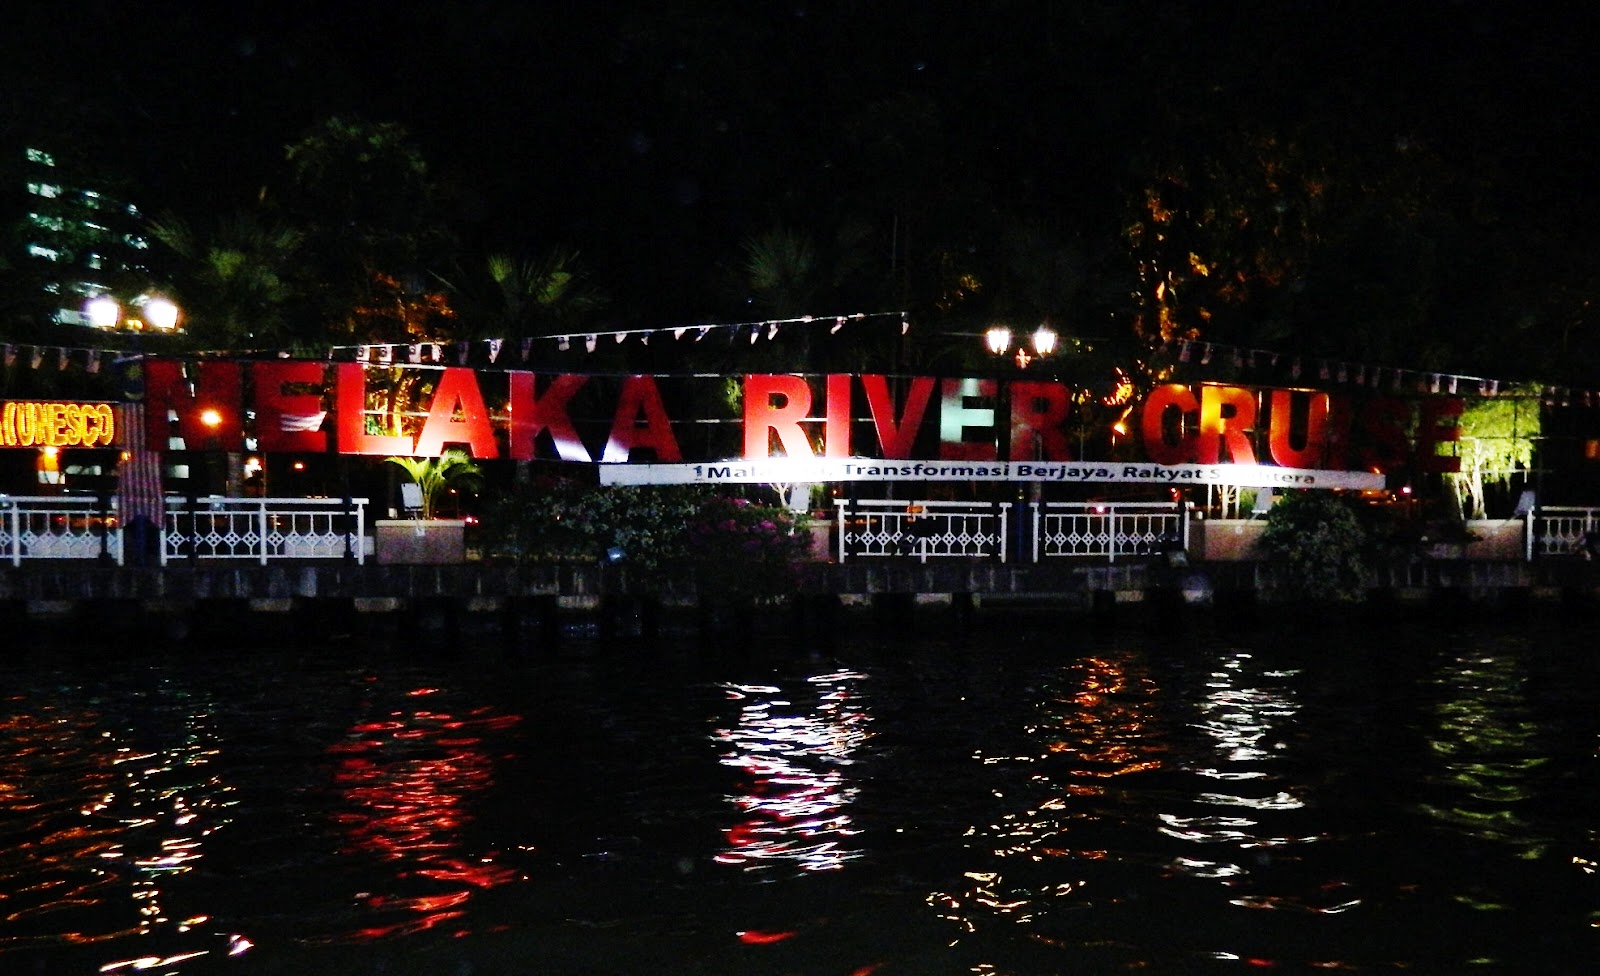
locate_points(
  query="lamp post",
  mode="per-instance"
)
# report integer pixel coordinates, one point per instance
(154, 312)
(998, 340)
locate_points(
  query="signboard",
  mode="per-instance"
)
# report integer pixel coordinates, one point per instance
(800, 470)
(775, 428)
(57, 424)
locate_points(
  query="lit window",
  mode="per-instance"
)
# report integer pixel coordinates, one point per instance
(40, 251)
(39, 156)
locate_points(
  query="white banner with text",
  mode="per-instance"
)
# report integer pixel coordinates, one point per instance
(796, 470)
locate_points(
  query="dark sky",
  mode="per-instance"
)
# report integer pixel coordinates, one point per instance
(655, 135)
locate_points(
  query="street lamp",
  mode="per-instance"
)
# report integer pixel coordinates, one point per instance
(159, 313)
(155, 312)
(998, 339)
(103, 312)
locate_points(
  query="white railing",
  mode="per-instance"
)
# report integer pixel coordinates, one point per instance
(263, 529)
(922, 530)
(1562, 530)
(1108, 530)
(58, 527)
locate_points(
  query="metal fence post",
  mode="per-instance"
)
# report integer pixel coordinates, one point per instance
(12, 533)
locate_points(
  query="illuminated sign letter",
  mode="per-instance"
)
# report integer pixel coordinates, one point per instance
(1313, 449)
(955, 417)
(350, 407)
(762, 417)
(896, 438)
(51, 424)
(531, 414)
(640, 396)
(1227, 414)
(1384, 420)
(1038, 415)
(457, 392)
(1431, 433)
(836, 433)
(216, 398)
(288, 421)
(1166, 440)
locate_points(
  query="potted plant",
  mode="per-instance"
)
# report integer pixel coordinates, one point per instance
(427, 538)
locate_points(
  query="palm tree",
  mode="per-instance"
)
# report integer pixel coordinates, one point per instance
(236, 281)
(513, 297)
(434, 475)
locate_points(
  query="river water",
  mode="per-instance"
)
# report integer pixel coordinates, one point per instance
(1032, 795)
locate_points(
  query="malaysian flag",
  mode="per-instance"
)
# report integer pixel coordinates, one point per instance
(139, 494)
(141, 506)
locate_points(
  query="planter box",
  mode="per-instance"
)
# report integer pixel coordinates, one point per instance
(1225, 540)
(822, 539)
(420, 541)
(1498, 539)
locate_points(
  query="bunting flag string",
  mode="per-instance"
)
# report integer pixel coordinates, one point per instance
(1366, 374)
(753, 331)
(1188, 351)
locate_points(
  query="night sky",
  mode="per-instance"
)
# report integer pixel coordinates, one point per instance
(654, 136)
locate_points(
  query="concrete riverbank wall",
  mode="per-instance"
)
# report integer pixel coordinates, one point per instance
(540, 601)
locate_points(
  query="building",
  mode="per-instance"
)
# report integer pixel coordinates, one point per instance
(79, 244)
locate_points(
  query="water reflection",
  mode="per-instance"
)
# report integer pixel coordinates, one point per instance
(1245, 711)
(1089, 738)
(115, 809)
(408, 781)
(1485, 741)
(792, 751)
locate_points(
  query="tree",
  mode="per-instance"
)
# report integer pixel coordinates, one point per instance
(1496, 445)
(235, 283)
(363, 197)
(1314, 543)
(511, 297)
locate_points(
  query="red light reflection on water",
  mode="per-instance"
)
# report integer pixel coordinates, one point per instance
(408, 781)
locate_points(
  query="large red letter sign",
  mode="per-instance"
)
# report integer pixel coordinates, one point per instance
(762, 416)
(640, 397)
(288, 421)
(531, 414)
(457, 390)
(1164, 444)
(350, 406)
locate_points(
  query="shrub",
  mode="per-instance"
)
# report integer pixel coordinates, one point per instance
(560, 518)
(1314, 542)
(739, 548)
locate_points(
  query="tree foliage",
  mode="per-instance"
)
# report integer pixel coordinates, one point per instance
(435, 476)
(1496, 445)
(1314, 543)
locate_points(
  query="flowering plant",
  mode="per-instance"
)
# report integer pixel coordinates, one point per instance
(744, 548)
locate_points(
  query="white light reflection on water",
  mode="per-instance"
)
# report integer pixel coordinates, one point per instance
(792, 751)
(1246, 711)
(151, 799)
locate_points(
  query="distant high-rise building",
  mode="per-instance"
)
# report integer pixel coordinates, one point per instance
(85, 244)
